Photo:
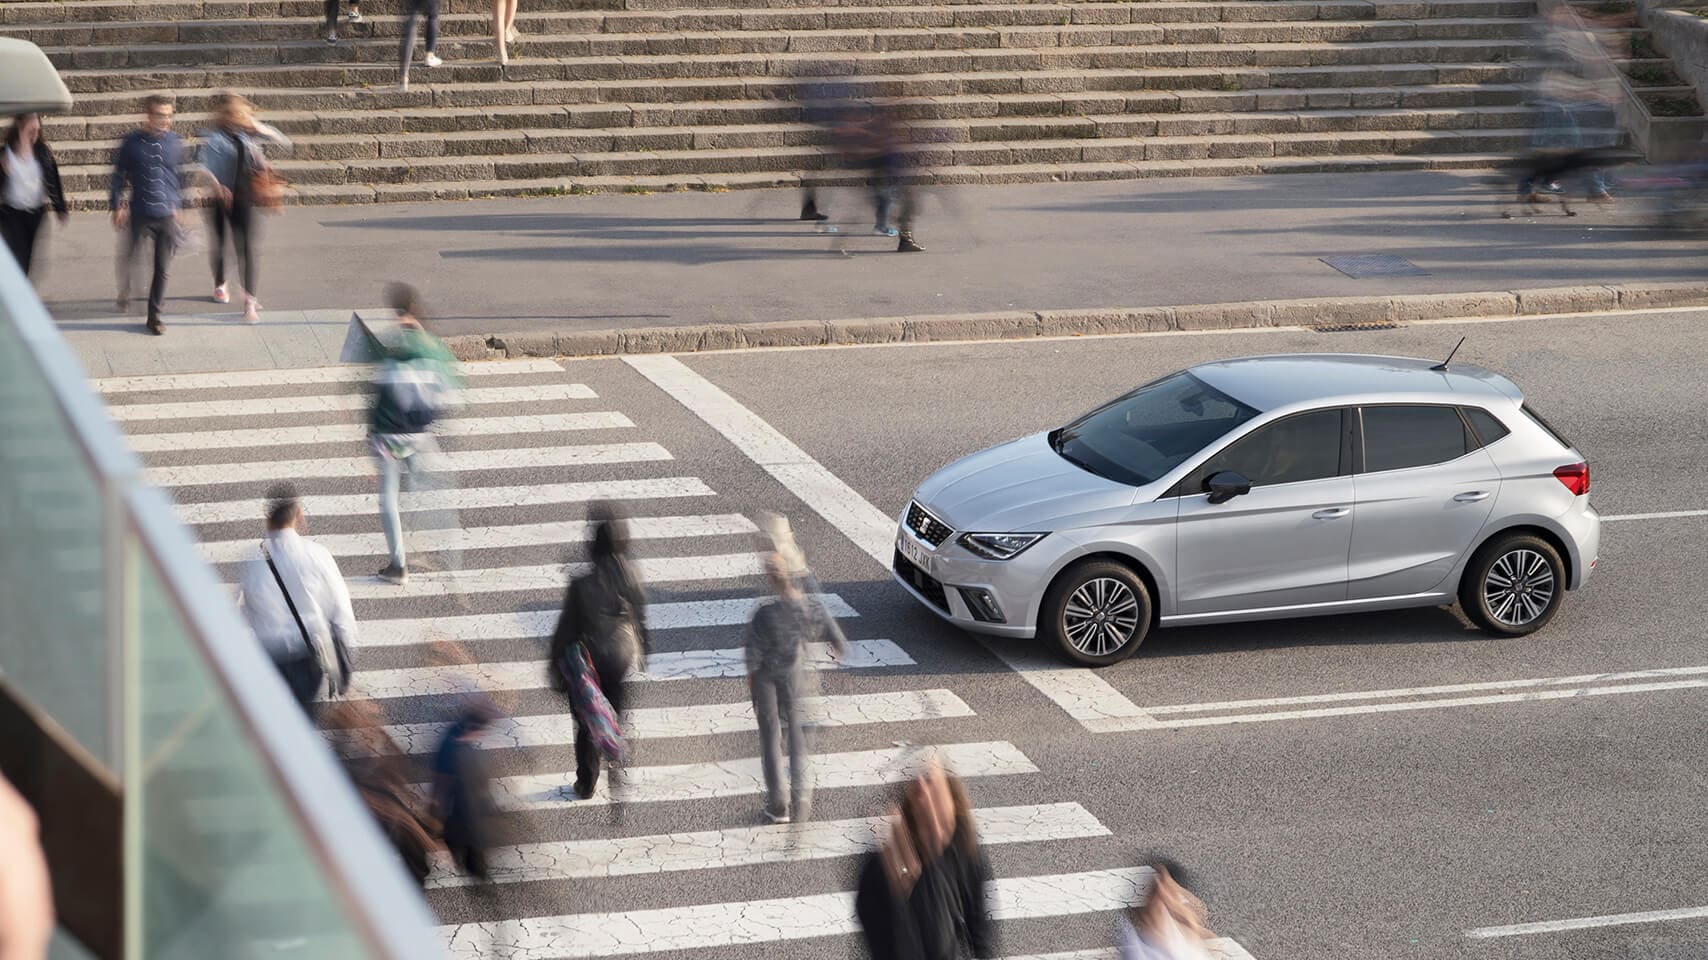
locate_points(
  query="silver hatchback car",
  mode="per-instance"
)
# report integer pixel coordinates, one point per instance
(1253, 489)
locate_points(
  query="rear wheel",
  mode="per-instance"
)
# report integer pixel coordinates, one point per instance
(1513, 585)
(1097, 612)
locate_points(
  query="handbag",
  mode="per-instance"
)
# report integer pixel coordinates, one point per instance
(336, 680)
(592, 707)
(266, 187)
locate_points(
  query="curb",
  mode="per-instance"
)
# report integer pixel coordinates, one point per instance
(1025, 324)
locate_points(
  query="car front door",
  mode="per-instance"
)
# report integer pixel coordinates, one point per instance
(1424, 488)
(1284, 543)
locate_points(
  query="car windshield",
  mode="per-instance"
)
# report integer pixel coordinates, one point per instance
(1137, 438)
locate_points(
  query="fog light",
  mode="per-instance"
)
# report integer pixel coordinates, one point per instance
(983, 606)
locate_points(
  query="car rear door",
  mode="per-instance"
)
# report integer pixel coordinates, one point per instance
(1285, 543)
(1424, 488)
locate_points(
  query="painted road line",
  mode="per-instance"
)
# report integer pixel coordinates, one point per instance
(737, 778)
(528, 624)
(351, 373)
(747, 846)
(357, 432)
(1667, 515)
(332, 403)
(510, 535)
(1082, 695)
(1588, 923)
(554, 576)
(467, 498)
(531, 674)
(1534, 691)
(1219, 948)
(743, 923)
(662, 723)
(457, 461)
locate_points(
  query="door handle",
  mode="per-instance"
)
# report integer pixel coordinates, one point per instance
(1333, 513)
(1471, 496)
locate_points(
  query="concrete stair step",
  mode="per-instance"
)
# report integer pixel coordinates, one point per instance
(320, 194)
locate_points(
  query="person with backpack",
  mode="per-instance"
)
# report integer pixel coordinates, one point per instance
(416, 377)
(603, 620)
(297, 604)
(462, 788)
(232, 166)
(777, 674)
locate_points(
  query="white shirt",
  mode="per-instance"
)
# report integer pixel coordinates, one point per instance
(25, 189)
(315, 584)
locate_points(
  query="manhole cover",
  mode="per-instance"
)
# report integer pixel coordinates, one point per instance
(1365, 265)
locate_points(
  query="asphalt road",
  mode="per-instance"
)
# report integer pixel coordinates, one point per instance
(1366, 834)
(602, 262)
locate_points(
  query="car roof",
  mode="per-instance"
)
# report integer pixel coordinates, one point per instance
(1271, 382)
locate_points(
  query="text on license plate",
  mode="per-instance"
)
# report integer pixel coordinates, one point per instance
(915, 553)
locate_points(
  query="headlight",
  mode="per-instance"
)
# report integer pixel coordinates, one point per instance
(998, 546)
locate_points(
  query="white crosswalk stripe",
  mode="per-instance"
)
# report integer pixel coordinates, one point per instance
(659, 723)
(746, 846)
(330, 403)
(457, 461)
(355, 432)
(734, 778)
(510, 675)
(468, 498)
(727, 566)
(353, 373)
(539, 623)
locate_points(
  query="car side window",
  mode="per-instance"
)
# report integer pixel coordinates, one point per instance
(1487, 426)
(1398, 437)
(1305, 446)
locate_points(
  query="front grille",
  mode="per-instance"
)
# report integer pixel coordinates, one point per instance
(927, 585)
(928, 527)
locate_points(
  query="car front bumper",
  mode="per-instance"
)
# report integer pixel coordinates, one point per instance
(1012, 586)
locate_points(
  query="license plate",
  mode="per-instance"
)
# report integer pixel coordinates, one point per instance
(914, 552)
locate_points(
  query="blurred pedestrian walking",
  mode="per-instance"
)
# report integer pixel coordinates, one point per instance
(777, 671)
(413, 386)
(149, 163)
(462, 788)
(355, 16)
(1574, 98)
(297, 604)
(377, 768)
(235, 170)
(504, 28)
(921, 896)
(825, 103)
(1169, 924)
(604, 615)
(413, 12)
(29, 187)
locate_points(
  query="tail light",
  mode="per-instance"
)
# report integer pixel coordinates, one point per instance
(1575, 476)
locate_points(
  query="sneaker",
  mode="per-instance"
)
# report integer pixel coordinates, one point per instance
(907, 245)
(776, 816)
(511, 36)
(403, 85)
(157, 328)
(221, 295)
(394, 574)
(810, 212)
(252, 310)
(583, 789)
(331, 36)
(354, 16)
(883, 231)
(432, 60)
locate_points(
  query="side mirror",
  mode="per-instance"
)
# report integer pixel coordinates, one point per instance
(1226, 485)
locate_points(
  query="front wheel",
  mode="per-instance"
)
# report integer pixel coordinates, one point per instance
(1513, 585)
(1097, 612)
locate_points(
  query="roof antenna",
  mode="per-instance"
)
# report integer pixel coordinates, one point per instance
(1443, 364)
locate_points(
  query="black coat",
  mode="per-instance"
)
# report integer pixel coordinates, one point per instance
(944, 917)
(50, 178)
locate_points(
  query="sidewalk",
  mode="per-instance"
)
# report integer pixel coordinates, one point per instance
(603, 262)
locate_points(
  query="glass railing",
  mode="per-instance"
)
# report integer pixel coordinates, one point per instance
(242, 835)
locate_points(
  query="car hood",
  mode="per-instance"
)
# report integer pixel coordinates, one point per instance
(1022, 485)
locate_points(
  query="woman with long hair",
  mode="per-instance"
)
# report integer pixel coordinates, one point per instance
(29, 186)
(1169, 923)
(604, 611)
(231, 155)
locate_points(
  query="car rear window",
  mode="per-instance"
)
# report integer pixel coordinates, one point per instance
(1487, 425)
(1137, 438)
(1530, 412)
(1399, 437)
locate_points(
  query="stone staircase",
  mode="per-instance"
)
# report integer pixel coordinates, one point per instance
(645, 95)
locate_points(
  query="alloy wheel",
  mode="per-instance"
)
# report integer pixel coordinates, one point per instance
(1100, 616)
(1519, 587)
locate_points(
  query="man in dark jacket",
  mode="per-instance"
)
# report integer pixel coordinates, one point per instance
(149, 161)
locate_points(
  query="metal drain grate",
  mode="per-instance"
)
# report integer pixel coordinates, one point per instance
(1362, 266)
(1354, 327)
